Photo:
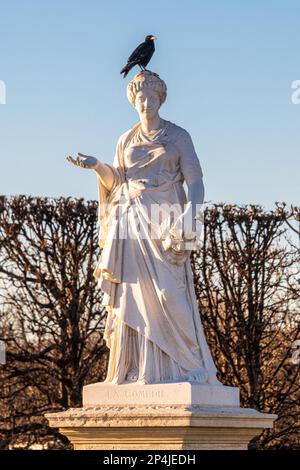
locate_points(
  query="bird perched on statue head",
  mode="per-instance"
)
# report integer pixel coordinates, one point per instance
(141, 55)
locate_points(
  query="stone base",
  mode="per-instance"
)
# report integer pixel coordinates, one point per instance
(176, 393)
(167, 416)
(154, 427)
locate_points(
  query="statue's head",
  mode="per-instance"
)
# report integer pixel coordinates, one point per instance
(146, 92)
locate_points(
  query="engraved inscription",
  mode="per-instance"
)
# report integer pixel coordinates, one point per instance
(113, 394)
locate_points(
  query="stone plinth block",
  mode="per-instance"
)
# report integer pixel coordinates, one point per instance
(120, 417)
(177, 393)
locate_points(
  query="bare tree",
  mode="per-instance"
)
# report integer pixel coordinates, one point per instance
(51, 315)
(246, 281)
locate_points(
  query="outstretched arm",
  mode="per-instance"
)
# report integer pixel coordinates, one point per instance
(103, 170)
(106, 174)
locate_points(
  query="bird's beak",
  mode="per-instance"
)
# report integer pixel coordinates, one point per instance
(153, 37)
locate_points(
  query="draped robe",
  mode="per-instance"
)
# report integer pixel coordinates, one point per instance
(153, 328)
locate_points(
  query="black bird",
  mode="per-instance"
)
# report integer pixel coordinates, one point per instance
(141, 55)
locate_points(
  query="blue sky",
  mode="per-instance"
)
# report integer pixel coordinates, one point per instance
(228, 65)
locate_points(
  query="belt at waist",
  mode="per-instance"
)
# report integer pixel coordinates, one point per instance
(138, 185)
(132, 188)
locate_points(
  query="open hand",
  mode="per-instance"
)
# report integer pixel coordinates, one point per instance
(83, 161)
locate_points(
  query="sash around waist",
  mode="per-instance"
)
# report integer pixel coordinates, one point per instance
(144, 184)
(134, 188)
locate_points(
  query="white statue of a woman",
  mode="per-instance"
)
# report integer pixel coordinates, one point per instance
(153, 328)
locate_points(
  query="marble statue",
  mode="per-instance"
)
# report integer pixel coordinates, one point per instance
(161, 390)
(153, 328)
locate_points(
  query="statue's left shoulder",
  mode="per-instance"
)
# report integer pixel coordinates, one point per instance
(178, 132)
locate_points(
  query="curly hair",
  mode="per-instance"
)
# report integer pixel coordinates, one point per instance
(146, 79)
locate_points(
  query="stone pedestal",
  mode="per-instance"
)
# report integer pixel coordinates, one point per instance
(160, 417)
(176, 393)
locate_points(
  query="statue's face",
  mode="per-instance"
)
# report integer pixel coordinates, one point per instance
(147, 103)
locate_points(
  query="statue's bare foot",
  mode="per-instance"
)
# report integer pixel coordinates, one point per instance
(142, 381)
